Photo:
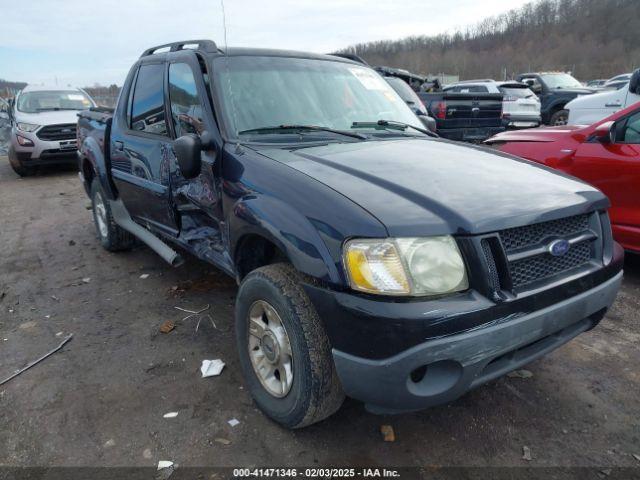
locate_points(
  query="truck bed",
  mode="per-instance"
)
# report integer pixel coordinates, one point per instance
(465, 116)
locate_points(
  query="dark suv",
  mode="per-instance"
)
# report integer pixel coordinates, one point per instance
(373, 259)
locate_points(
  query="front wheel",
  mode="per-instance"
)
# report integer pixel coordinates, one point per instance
(284, 351)
(18, 166)
(561, 117)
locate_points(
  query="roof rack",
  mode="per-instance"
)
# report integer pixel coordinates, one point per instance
(208, 46)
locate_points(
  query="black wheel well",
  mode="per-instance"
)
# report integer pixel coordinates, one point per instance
(88, 172)
(255, 251)
(558, 107)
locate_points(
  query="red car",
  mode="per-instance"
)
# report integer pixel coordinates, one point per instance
(605, 154)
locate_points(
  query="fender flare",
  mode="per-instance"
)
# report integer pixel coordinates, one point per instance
(91, 151)
(288, 229)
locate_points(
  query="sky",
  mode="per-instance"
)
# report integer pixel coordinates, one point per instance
(82, 42)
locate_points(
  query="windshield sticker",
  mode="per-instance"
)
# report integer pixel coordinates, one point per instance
(75, 96)
(370, 80)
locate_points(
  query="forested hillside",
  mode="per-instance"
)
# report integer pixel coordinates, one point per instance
(592, 38)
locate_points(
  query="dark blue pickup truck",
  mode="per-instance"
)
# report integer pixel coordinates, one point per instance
(555, 90)
(373, 259)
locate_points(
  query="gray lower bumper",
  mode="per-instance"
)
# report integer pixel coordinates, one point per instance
(458, 363)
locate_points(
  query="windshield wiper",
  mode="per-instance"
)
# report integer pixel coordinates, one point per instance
(314, 128)
(393, 124)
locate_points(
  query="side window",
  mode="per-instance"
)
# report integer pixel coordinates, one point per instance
(631, 132)
(186, 110)
(147, 110)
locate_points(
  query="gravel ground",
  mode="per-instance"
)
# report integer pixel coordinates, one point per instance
(101, 400)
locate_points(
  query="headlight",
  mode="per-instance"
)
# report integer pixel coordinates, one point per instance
(405, 266)
(27, 127)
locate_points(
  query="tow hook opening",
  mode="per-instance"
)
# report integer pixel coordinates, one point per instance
(434, 378)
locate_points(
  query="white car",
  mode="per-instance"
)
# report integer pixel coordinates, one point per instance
(520, 106)
(593, 108)
(618, 78)
(43, 126)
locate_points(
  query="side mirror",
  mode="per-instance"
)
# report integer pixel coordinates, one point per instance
(187, 149)
(428, 122)
(605, 132)
(634, 82)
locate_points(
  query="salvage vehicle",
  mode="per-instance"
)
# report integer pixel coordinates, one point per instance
(591, 109)
(469, 117)
(520, 106)
(605, 154)
(43, 121)
(555, 90)
(374, 259)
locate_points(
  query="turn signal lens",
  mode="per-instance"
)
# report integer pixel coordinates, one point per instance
(374, 266)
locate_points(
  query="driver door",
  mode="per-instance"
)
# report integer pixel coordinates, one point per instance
(197, 201)
(615, 169)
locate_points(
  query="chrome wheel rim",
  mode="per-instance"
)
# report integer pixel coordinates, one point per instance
(270, 349)
(101, 215)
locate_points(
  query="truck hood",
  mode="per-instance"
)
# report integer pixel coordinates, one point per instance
(49, 117)
(419, 187)
(542, 134)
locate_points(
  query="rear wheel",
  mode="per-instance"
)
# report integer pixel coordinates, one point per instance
(284, 351)
(112, 237)
(18, 166)
(561, 117)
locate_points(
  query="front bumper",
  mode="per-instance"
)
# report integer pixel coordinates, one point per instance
(43, 152)
(442, 369)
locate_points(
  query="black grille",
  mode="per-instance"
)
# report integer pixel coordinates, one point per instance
(521, 237)
(65, 131)
(535, 268)
(531, 264)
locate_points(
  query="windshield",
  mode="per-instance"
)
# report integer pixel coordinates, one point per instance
(560, 80)
(40, 101)
(259, 92)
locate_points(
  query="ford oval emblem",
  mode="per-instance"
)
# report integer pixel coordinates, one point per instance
(558, 248)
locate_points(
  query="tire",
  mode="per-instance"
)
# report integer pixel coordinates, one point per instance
(18, 167)
(561, 117)
(315, 392)
(112, 237)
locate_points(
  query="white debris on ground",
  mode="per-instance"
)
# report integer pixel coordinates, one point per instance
(211, 368)
(233, 422)
(170, 415)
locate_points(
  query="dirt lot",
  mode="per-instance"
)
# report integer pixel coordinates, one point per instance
(101, 400)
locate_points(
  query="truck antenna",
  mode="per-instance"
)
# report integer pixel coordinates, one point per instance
(226, 61)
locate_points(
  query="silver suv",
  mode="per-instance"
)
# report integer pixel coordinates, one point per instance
(43, 126)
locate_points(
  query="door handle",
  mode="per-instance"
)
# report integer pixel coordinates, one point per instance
(613, 104)
(119, 146)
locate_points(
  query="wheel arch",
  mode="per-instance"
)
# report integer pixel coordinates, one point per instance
(284, 235)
